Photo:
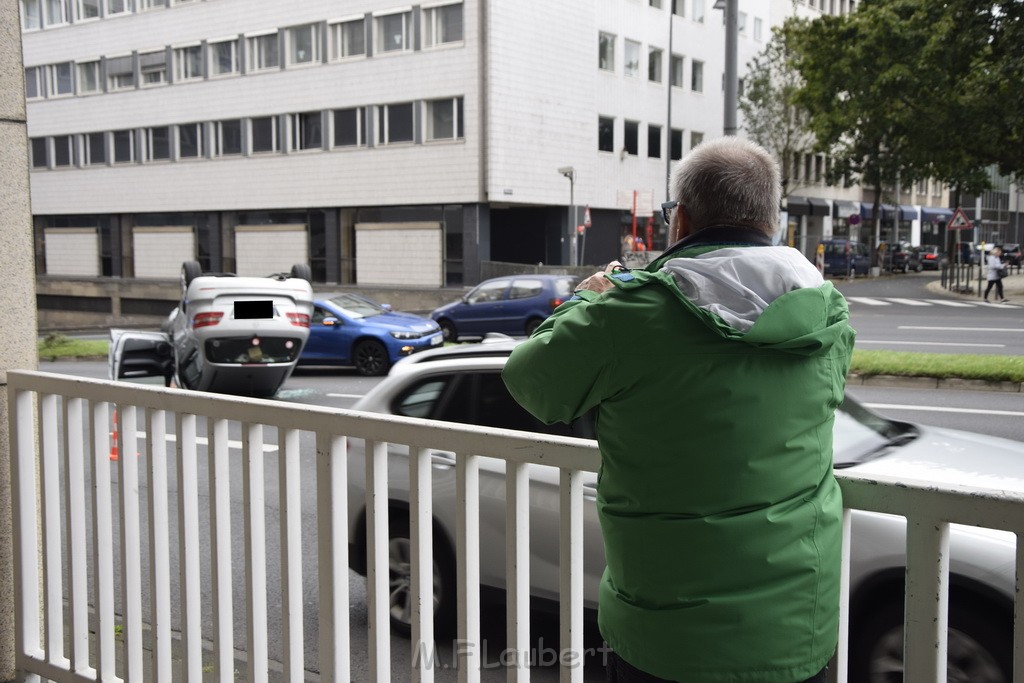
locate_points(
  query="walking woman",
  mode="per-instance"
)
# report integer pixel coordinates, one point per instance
(996, 273)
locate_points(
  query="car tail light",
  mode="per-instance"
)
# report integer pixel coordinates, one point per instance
(206, 319)
(298, 319)
(556, 302)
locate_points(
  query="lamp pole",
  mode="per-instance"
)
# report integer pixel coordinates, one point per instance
(570, 173)
(732, 32)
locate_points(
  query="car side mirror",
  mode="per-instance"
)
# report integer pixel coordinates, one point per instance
(329, 321)
(387, 307)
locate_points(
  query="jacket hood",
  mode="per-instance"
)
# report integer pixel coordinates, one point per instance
(768, 296)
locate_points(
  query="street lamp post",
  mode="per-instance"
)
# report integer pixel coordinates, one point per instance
(731, 8)
(570, 173)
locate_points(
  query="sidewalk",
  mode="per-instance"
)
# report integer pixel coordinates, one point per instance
(1013, 289)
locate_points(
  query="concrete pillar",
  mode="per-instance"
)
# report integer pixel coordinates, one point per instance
(17, 293)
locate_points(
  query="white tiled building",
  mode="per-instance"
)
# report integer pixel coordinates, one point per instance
(351, 134)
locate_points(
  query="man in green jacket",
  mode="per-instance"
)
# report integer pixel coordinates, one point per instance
(716, 373)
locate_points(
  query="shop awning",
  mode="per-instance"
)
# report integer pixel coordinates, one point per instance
(797, 206)
(935, 214)
(843, 209)
(908, 212)
(819, 207)
(868, 214)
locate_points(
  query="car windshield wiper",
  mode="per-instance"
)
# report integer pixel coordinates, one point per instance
(907, 435)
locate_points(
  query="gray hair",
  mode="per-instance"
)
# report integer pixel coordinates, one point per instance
(729, 181)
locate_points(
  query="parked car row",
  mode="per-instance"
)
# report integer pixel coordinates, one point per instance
(463, 385)
(849, 257)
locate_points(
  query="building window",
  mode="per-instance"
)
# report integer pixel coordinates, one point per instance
(40, 158)
(265, 134)
(631, 143)
(224, 57)
(393, 32)
(227, 138)
(157, 143)
(348, 39)
(151, 4)
(758, 28)
(303, 44)
(654, 65)
(655, 3)
(676, 71)
(88, 77)
(59, 80)
(117, 7)
(653, 141)
(442, 25)
(188, 63)
(696, 139)
(444, 119)
(394, 123)
(56, 12)
(190, 141)
(88, 9)
(120, 73)
(124, 146)
(350, 127)
(606, 51)
(264, 52)
(308, 130)
(153, 68)
(678, 8)
(63, 153)
(605, 134)
(741, 23)
(697, 76)
(632, 60)
(675, 142)
(94, 147)
(31, 15)
(698, 11)
(33, 82)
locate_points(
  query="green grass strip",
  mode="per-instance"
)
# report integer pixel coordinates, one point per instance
(58, 346)
(941, 365)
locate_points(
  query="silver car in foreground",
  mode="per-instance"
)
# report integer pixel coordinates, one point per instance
(228, 334)
(463, 384)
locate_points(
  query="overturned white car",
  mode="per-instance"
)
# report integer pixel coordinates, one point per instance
(228, 334)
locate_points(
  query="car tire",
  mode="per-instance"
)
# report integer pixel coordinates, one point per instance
(448, 330)
(531, 325)
(400, 575)
(302, 271)
(980, 647)
(190, 270)
(371, 358)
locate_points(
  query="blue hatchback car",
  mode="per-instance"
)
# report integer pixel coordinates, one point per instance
(350, 329)
(513, 305)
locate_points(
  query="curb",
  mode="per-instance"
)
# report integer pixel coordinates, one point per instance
(951, 383)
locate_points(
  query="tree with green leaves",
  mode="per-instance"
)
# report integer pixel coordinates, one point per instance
(771, 115)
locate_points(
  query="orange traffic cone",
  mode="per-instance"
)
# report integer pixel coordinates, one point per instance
(113, 439)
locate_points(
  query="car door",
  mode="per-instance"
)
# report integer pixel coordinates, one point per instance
(483, 309)
(327, 338)
(137, 356)
(525, 299)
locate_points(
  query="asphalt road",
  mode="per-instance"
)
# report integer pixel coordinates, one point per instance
(902, 313)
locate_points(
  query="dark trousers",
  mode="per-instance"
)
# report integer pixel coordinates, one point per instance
(621, 671)
(999, 288)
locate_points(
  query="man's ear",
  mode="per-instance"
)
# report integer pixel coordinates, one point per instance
(681, 223)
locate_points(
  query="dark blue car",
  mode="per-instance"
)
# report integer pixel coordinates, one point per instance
(350, 329)
(513, 305)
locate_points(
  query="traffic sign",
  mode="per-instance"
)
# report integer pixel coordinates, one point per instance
(959, 221)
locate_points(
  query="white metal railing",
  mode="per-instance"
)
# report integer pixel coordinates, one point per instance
(81, 616)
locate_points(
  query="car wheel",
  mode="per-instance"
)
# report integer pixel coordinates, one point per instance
(371, 358)
(400, 579)
(302, 272)
(531, 325)
(979, 647)
(448, 330)
(190, 270)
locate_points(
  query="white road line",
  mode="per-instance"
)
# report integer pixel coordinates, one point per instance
(924, 343)
(992, 304)
(203, 441)
(955, 304)
(868, 301)
(345, 395)
(961, 329)
(940, 409)
(911, 302)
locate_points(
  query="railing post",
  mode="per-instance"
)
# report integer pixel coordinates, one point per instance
(517, 559)
(332, 543)
(25, 527)
(927, 600)
(379, 635)
(421, 528)
(571, 577)
(253, 505)
(468, 646)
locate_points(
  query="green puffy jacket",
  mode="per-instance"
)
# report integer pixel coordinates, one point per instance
(716, 373)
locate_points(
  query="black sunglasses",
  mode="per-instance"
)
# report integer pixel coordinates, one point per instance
(666, 210)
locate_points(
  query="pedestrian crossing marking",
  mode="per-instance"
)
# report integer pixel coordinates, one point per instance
(955, 304)
(910, 302)
(868, 301)
(889, 301)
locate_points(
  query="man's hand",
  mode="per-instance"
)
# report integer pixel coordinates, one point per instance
(599, 282)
